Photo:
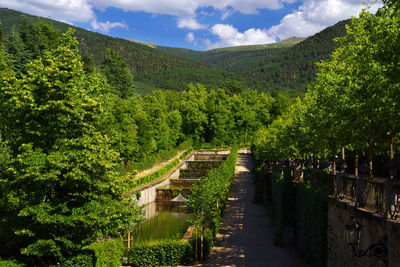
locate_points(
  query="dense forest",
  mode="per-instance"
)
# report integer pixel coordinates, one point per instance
(150, 68)
(153, 67)
(72, 134)
(352, 105)
(74, 126)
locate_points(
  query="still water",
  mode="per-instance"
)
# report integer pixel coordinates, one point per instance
(163, 221)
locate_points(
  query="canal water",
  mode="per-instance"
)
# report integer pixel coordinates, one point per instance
(163, 221)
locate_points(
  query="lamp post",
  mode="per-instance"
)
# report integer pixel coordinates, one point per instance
(378, 249)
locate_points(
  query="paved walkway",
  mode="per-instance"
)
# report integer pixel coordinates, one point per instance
(245, 237)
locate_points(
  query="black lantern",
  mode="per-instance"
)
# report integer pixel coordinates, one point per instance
(353, 229)
(379, 249)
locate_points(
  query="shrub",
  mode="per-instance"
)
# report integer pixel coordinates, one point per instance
(10, 263)
(209, 198)
(107, 253)
(155, 175)
(161, 253)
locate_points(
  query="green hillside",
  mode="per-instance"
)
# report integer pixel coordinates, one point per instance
(285, 66)
(148, 66)
(295, 67)
(233, 59)
(282, 44)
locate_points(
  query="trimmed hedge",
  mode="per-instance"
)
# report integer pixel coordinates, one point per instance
(99, 254)
(161, 156)
(10, 263)
(107, 253)
(302, 206)
(161, 253)
(184, 154)
(209, 197)
(155, 175)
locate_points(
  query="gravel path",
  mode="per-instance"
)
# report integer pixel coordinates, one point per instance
(245, 237)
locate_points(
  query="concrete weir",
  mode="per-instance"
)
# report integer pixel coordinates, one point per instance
(184, 176)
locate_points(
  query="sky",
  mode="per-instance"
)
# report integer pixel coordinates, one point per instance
(197, 24)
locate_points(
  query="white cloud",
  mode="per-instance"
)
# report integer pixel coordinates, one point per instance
(190, 23)
(63, 10)
(184, 10)
(107, 26)
(230, 36)
(190, 37)
(311, 17)
(315, 15)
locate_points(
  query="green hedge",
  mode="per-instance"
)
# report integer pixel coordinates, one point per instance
(161, 253)
(155, 175)
(150, 161)
(284, 203)
(161, 156)
(107, 253)
(311, 218)
(302, 206)
(209, 197)
(10, 263)
(99, 254)
(184, 154)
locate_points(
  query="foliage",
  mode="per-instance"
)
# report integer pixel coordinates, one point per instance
(107, 252)
(161, 253)
(118, 74)
(301, 206)
(155, 67)
(187, 152)
(10, 263)
(259, 176)
(208, 198)
(311, 218)
(155, 175)
(60, 191)
(354, 100)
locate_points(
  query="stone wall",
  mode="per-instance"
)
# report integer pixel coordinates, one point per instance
(374, 226)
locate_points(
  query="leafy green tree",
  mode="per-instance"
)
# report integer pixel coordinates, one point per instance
(220, 119)
(193, 109)
(62, 191)
(118, 74)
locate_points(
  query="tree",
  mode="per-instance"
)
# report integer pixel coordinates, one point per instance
(62, 190)
(193, 109)
(118, 74)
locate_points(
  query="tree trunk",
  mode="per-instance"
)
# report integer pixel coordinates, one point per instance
(201, 243)
(195, 244)
(342, 153)
(356, 164)
(129, 244)
(371, 174)
(334, 166)
(324, 155)
(391, 151)
(391, 145)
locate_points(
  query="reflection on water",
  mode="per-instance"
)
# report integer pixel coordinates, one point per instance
(162, 222)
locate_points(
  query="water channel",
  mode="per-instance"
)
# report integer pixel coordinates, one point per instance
(166, 219)
(163, 221)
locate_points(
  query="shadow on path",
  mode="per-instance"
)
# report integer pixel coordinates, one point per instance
(245, 237)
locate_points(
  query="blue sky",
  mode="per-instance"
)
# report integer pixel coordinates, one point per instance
(196, 24)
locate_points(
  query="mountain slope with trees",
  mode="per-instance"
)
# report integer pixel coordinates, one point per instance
(284, 67)
(149, 67)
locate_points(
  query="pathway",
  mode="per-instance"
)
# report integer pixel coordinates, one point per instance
(246, 237)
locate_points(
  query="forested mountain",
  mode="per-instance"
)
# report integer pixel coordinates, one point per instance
(235, 58)
(295, 67)
(284, 67)
(150, 68)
